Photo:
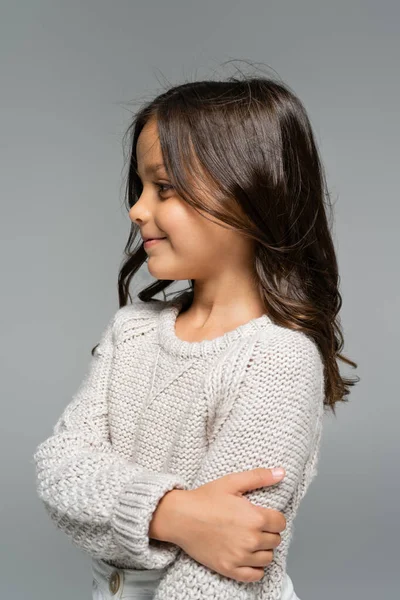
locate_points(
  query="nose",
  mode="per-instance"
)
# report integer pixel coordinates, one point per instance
(139, 212)
(131, 215)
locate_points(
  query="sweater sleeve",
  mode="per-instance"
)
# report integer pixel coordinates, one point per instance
(101, 500)
(273, 419)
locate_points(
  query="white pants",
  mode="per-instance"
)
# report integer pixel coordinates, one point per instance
(136, 584)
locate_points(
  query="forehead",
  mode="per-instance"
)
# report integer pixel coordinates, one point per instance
(148, 149)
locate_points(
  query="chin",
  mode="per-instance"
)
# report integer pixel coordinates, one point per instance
(159, 273)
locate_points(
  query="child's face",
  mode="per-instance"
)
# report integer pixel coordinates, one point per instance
(195, 247)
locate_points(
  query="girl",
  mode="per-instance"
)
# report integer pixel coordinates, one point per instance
(159, 466)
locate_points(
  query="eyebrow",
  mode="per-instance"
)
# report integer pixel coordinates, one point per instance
(153, 168)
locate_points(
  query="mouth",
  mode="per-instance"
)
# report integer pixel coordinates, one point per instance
(152, 242)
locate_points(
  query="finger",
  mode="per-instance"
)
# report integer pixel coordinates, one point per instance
(248, 574)
(267, 541)
(274, 521)
(261, 558)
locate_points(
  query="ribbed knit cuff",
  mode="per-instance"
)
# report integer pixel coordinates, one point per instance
(133, 513)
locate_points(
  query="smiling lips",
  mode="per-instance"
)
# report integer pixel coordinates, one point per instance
(151, 242)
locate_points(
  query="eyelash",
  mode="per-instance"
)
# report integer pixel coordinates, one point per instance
(160, 185)
(164, 185)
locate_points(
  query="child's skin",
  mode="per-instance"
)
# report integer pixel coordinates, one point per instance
(219, 528)
(236, 539)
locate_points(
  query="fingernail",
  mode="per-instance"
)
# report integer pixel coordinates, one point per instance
(278, 472)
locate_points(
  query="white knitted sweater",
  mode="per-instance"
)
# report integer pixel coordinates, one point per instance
(155, 412)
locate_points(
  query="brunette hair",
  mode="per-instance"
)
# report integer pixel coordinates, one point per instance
(249, 140)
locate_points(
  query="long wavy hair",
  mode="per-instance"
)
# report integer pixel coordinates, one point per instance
(249, 141)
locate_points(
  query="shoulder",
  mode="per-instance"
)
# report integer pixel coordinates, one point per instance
(286, 363)
(135, 319)
(274, 346)
(275, 360)
(276, 371)
(273, 357)
(280, 350)
(287, 346)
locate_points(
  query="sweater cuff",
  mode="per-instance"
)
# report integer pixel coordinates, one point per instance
(132, 515)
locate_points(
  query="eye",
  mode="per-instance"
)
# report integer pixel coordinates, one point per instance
(165, 186)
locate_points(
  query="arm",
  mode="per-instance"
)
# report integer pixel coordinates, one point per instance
(274, 419)
(102, 501)
(166, 519)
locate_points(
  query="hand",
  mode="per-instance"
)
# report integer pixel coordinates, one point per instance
(226, 532)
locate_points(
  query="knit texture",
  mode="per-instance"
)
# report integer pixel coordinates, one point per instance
(155, 412)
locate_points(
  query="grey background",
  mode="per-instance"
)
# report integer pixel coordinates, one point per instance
(69, 73)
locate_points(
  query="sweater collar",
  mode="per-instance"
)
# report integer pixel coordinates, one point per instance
(174, 345)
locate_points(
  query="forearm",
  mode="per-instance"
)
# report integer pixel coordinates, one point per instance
(167, 522)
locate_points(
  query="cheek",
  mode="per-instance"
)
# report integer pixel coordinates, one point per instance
(190, 242)
(185, 229)
(191, 235)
